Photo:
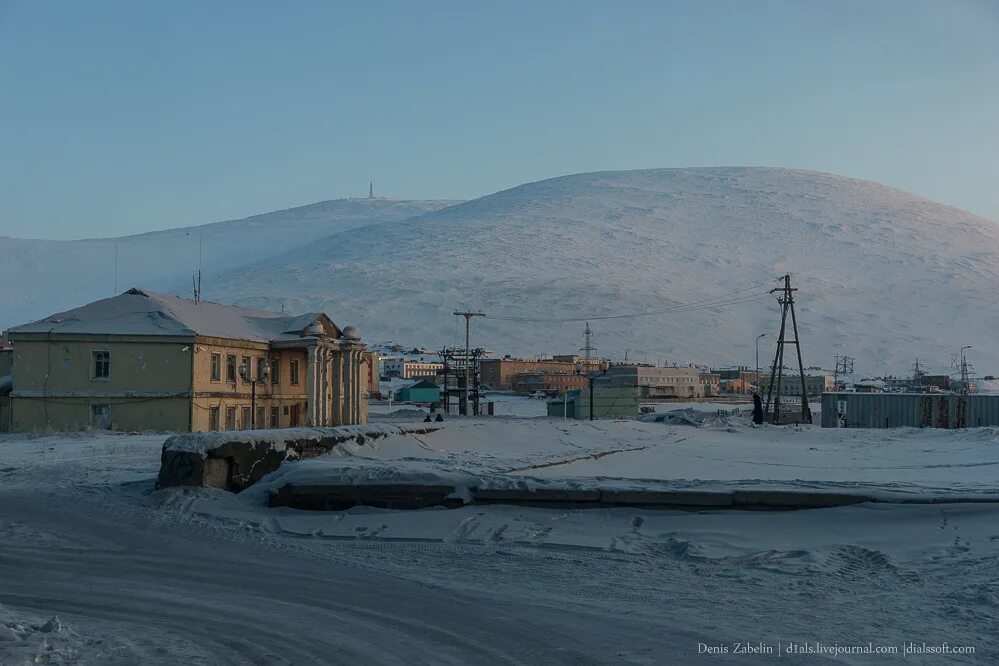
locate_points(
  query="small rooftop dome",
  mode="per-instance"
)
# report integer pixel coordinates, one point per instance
(350, 333)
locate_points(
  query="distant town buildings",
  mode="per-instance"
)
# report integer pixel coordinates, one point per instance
(558, 372)
(148, 361)
(790, 384)
(653, 382)
(404, 368)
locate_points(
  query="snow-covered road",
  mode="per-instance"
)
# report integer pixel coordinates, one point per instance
(192, 576)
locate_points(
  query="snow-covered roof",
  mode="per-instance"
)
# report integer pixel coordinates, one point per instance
(143, 312)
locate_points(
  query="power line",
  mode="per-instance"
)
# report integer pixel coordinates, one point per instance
(732, 298)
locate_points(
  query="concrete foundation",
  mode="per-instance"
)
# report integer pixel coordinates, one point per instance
(234, 463)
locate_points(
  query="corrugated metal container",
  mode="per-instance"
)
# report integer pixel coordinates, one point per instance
(912, 410)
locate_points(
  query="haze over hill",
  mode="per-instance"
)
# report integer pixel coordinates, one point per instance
(884, 275)
(43, 276)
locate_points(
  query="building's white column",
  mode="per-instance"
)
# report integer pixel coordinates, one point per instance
(343, 401)
(337, 366)
(310, 388)
(320, 385)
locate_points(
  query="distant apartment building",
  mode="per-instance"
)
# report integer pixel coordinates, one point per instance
(547, 381)
(405, 368)
(372, 371)
(148, 361)
(653, 382)
(711, 382)
(790, 384)
(499, 373)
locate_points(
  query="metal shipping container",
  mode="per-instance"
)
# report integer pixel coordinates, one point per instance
(912, 410)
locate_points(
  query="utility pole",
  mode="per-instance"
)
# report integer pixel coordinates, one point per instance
(786, 300)
(844, 365)
(965, 376)
(468, 351)
(917, 376)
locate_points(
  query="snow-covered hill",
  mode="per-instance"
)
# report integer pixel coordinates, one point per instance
(884, 275)
(40, 277)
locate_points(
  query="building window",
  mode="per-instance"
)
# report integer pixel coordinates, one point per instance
(249, 369)
(260, 418)
(245, 425)
(230, 418)
(275, 371)
(293, 370)
(275, 417)
(100, 365)
(230, 368)
(213, 418)
(216, 367)
(100, 416)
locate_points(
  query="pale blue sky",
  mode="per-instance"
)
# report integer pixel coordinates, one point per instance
(123, 117)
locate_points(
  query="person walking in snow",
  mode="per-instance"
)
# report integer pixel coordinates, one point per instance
(757, 408)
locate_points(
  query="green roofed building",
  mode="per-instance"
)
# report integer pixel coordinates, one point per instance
(421, 392)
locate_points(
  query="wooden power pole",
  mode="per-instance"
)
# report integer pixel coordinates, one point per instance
(468, 351)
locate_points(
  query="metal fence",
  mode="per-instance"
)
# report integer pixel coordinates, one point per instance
(912, 410)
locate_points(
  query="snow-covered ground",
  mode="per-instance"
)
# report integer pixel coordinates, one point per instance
(203, 576)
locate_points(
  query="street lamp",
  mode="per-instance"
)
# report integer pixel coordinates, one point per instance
(758, 357)
(263, 370)
(590, 376)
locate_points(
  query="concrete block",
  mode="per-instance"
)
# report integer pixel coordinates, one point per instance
(796, 499)
(522, 495)
(668, 497)
(340, 497)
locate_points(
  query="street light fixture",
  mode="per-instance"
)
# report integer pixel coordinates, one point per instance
(758, 358)
(263, 370)
(590, 376)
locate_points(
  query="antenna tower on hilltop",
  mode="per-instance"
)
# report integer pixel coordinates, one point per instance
(587, 347)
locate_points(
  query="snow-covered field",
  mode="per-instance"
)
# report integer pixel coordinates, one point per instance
(199, 576)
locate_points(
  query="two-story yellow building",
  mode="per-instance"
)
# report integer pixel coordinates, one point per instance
(148, 361)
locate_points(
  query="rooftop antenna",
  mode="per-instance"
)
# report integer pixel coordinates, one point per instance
(197, 277)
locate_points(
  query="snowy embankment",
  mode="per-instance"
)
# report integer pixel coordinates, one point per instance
(891, 465)
(191, 575)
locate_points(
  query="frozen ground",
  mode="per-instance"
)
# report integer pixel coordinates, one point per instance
(206, 577)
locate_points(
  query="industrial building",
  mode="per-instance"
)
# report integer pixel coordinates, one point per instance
(148, 361)
(910, 410)
(608, 403)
